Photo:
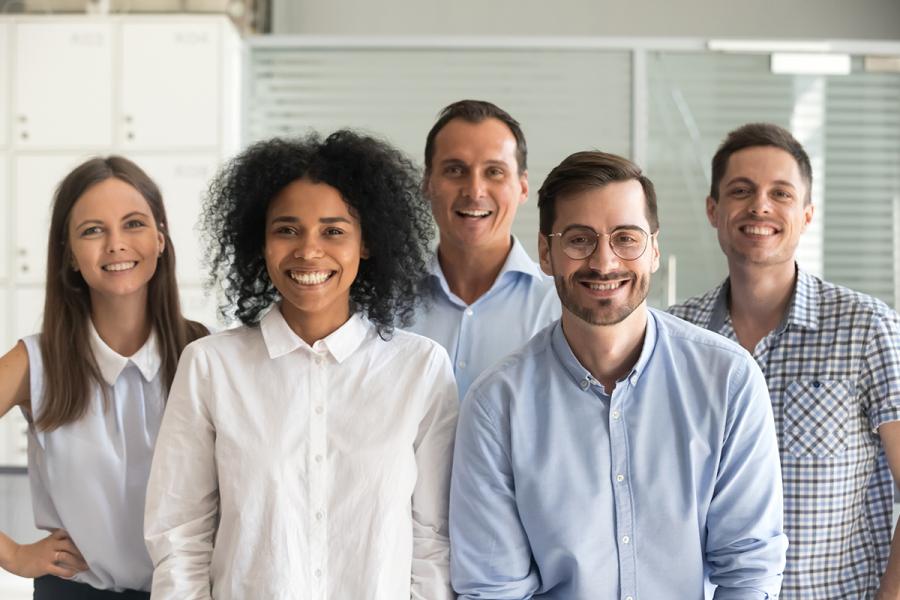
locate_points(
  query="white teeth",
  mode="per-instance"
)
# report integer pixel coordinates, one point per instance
(603, 287)
(474, 213)
(121, 266)
(310, 278)
(756, 230)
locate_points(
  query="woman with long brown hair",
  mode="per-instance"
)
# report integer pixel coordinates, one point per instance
(92, 384)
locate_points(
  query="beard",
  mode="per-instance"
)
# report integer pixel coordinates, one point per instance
(601, 311)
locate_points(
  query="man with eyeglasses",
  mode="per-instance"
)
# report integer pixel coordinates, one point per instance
(485, 296)
(831, 357)
(621, 453)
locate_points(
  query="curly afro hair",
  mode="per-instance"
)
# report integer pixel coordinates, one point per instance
(379, 182)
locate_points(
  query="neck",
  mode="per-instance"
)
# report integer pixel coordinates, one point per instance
(122, 323)
(759, 299)
(471, 271)
(608, 352)
(312, 327)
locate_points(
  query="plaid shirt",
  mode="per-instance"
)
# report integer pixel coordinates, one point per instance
(833, 369)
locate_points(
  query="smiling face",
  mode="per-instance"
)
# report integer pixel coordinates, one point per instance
(313, 248)
(601, 289)
(114, 240)
(474, 185)
(762, 208)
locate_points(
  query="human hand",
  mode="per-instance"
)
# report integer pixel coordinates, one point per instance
(56, 555)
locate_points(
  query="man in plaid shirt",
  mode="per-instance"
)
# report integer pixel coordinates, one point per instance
(831, 357)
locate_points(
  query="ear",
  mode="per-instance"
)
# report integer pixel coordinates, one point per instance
(161, 239)
(808, 212)
(544, 254)
(712, 208)
(654, 252)
(523, 182)
(363, 251)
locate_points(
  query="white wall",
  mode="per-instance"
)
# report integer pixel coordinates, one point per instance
(834, 19)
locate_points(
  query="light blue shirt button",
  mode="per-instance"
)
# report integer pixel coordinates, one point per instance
(615, 415)
(585, 384)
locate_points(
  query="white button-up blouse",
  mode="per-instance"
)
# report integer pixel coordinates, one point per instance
(89, 477)
(289, 471)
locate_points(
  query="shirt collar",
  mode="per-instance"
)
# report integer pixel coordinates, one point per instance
(517, 261)
(280, 339)
(802, 312)
(580, 375)
(111, 363)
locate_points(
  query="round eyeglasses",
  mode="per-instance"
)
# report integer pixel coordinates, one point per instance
(579, 242)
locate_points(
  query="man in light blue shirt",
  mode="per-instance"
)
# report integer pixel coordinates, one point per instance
(621, 453)
(485, 297)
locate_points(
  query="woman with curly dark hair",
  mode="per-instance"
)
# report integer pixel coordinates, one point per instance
(307, 453)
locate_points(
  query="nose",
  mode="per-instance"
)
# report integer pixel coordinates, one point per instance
(475, 186)
(114, 242)
(308, 247)
(603, 259)
(759, 203)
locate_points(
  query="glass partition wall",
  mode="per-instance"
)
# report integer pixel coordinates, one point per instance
(666, 104)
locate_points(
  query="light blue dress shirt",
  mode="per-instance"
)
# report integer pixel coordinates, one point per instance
(664, 490)
(521, 302)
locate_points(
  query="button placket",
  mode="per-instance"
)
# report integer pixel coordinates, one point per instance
(622, 490)
(318, 450)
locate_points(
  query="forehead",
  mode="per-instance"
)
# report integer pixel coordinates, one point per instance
(489, 139)
(305, 197)
(763, 164)
(604, 208)
(109, 198)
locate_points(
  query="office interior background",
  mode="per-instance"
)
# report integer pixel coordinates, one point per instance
(181, 85)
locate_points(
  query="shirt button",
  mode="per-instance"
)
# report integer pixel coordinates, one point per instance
(615, 415)
(625, 539)
(633, 380)
(319, 516)
(585, 384)
(461, 364)
(318, 572)
(318, 458)
(469, 312)
(319, 410)
(319, 360)
(628, 598)
(620, 478)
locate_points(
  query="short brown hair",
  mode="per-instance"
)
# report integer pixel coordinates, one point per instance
(476, 111)
(587, 170)
(752, 135)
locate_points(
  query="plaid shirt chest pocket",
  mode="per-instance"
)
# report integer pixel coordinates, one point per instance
(816, 417)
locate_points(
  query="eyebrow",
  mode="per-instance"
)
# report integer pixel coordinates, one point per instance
(751, 182)
(459, 161)
(323, 220)
(125, 218)
(625, 227)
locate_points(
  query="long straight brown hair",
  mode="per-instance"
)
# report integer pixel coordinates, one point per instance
(70, 368)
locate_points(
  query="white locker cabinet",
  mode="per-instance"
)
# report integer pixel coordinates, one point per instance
(183, 180)
(5, 53)
(63, 84)
(171, 74)
(5, 220)
(199, 306)
(36, 179)
(28, 306)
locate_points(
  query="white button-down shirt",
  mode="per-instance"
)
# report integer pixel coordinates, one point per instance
(89, 477)
(289, 471)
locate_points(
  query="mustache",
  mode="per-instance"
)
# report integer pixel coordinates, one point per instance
(598, 276)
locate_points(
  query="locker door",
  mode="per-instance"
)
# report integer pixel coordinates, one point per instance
(63, 85)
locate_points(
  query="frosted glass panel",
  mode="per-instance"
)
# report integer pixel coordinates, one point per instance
(566, 100)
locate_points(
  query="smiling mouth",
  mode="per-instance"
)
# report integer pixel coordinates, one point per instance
(474, 214)
(120, 266)
(760, 230)
(311, 277)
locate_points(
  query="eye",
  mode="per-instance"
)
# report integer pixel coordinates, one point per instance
(284, 230)
(782, 194)
(739, 192)
(93, 230)
(134, 224)
(453, 170)
(625, 238)
(334, 232)
(495, 172)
